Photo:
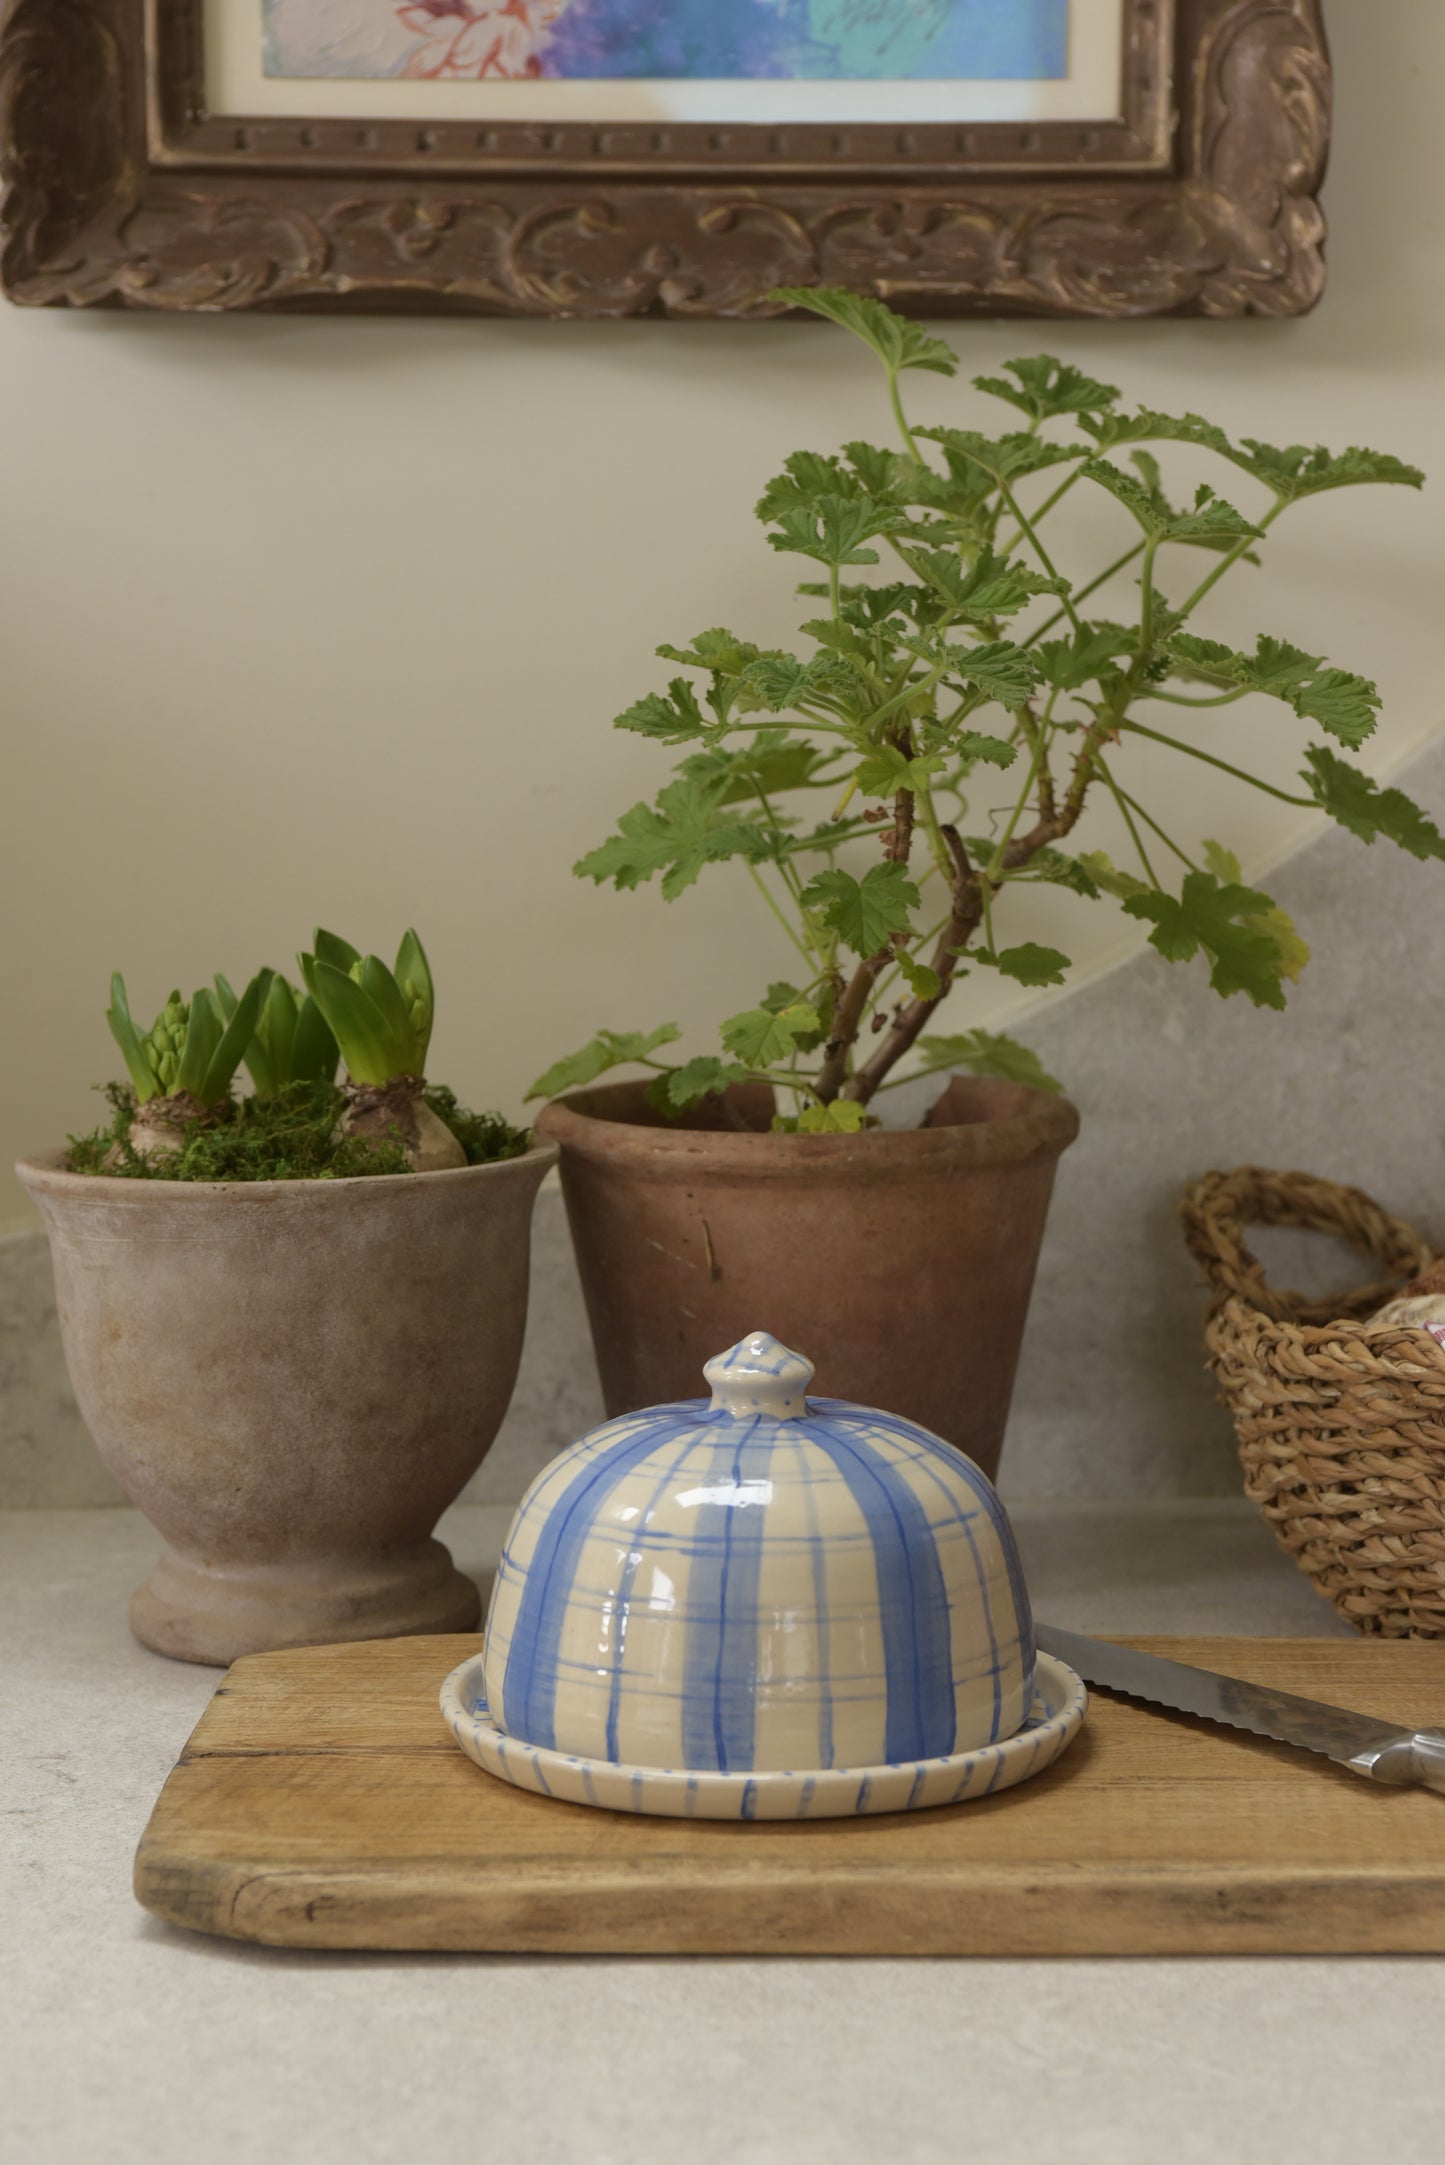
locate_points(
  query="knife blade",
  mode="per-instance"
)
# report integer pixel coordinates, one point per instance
(1380, 1750)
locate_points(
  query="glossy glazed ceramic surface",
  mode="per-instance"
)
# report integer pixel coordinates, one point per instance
(765, 1583)
(1054, 1720)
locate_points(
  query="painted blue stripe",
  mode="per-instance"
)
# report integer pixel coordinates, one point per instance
(817, 1557)
(720, 1655)
(964, 1778)
(947, 1468)
(529, 1679)
(627, 1579)
(749, 1806)
(959, 1465)
(960, 1517)
(921, 1716)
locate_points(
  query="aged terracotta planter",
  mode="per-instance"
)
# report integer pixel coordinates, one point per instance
(292, 1380)
(902, 1260)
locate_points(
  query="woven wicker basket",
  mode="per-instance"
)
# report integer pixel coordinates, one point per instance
(1341, 1428)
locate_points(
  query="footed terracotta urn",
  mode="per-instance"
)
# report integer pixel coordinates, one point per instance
(292, 1380)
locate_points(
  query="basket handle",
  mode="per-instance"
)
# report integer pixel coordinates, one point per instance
(1219, 1206)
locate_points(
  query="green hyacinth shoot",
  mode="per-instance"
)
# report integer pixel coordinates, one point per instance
(193, 1048)
(381, 1018)
(292, 1041)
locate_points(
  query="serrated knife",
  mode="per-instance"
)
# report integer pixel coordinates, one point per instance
(1380, 1750)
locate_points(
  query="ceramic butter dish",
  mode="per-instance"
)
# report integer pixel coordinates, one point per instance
(769, 1606)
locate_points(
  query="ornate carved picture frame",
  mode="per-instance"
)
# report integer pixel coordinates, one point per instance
(1198, 197)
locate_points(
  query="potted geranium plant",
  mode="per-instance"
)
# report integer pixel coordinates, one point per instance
(293, 1321)
(952, 659)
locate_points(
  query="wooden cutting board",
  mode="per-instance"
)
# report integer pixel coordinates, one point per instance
(321, 1803)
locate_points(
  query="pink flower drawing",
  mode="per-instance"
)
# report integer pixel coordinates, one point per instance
(460, 40)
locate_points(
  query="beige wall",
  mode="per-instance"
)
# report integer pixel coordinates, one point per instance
(308, 618)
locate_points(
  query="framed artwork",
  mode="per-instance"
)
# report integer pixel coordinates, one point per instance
(664, 157)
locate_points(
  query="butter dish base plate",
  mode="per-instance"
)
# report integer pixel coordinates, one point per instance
(1055, 1718)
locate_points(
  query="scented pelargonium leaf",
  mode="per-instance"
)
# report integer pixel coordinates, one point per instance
(832, 529)
(610, 1048)
(985, 1052)
(771, 762)
(806, 476)
(780, 996)
(1089, 656)
(700, 1078)
(1300, 470)
(996, 667)
(988, 587)
(1048, 867)
(1043, 387)
(864, 913)
(885, 771)
(1366, 808)
(974, 747)
(843, 1116)
(760, 1036)
(1146, 425)
(1027, 964)
(1276, 925)
(677, 837)
(1343, 704)
(922, 980)
(1002, 458)
(897, 342)
(777, 681)
(674, 718)
(888, 475)
(1211, 519)
(1218, 916)
(1098, 866)
(1182, 526)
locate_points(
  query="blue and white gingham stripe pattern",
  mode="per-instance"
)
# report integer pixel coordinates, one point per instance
(696, 1589)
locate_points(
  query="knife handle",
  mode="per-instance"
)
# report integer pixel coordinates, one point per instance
(1415, 1756)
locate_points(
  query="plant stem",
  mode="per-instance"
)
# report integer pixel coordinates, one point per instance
(1150, 821)
(1230, 558)
(1134, 835)
(1026, 527)
(994, 863)
(1048, 503)
(767, 894)
(1146, 608)
(928, 813)
(1119, 564)
(1240, 774)
(901, 418)
(1173, 699)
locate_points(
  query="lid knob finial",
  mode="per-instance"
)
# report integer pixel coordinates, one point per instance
(760, 1376)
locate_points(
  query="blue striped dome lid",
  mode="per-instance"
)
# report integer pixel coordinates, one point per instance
(766, 1581)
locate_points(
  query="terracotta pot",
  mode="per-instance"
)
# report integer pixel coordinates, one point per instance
(901, 1261)
(293, 1379)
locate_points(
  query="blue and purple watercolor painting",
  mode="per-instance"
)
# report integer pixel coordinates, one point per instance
(707, 40)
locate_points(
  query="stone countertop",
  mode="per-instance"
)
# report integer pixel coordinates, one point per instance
(122, 2039)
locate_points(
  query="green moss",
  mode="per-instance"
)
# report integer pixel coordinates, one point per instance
(291, 1136)
(486, 1137)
